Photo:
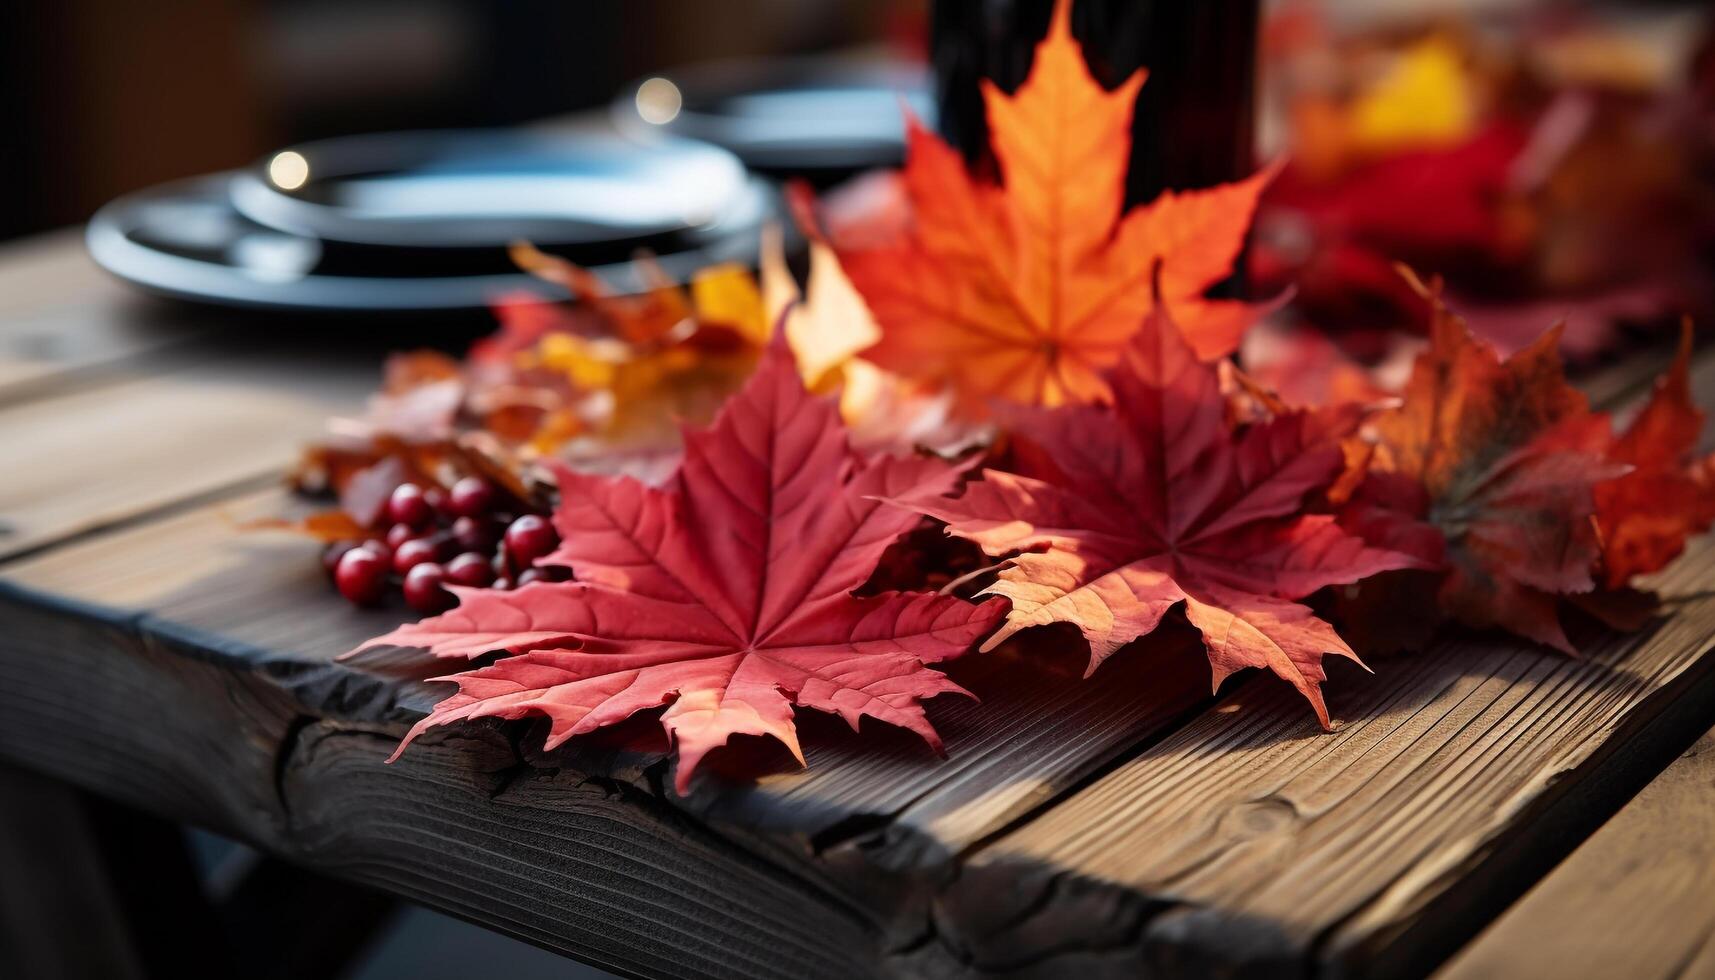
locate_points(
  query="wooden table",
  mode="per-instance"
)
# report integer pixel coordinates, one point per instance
(153, 655)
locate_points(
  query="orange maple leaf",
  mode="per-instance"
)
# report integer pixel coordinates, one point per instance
(1508, 456)
(1029, 291)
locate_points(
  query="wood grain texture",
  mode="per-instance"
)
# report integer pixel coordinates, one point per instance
(63, 321)
(218, 739)
(259, 593)
(1251, 842)
(214, 418)
(1029, 733)
(1636, 900)
(883, 822)
(883, 814)
(582, 866)
(1239, 792)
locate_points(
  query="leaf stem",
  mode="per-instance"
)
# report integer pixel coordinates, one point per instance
(971, 575)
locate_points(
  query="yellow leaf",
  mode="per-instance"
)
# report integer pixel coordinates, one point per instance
(779, 289)
(726, 294)
(585, 363)
(1425, 99)
(831, 325)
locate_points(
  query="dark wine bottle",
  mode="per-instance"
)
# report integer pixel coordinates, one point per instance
(1194, 121)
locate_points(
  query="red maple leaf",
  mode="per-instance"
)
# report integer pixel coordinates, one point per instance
(1127, 511)
(1029, 291)
(1507, 455)
(1646, 515)
(726, 595)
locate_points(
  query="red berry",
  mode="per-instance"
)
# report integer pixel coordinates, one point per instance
(361, 576)
(445, 545)
(471, 497)
(529, 538)
(333, 553)
(473, 534)
(470, 569)
(413, 553)
(422, 588)
(398, 534)
(501, 584)
(543, 573)
(381, 548)
(409, 506)
(436, 498)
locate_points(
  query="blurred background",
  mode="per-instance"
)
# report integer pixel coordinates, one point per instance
(103, 97)
(1510, 145)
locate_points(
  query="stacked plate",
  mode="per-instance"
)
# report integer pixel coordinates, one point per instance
(422, 221)
(821, 119)
(416, 222)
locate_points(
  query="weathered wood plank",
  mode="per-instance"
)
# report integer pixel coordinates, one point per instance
(212, 593)
(217, 417)
(261, 595)
(192, 580)
(184, 574)
(61, 317)
(590, 868)
(1034, 731)
(586, 867)
(1250, 841)
(884, 822)
(1637, 900)
(258, 604)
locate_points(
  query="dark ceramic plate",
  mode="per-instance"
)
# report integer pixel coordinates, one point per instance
(820, 118)
(421, 221)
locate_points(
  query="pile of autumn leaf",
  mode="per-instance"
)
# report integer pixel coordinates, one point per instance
(1549, 167)
(1095, 441)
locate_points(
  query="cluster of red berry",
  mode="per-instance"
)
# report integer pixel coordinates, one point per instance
(439, 538)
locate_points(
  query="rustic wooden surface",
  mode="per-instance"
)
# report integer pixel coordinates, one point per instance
(1352, 848)
(1637, 900)
(152, 653)
(61, 321)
